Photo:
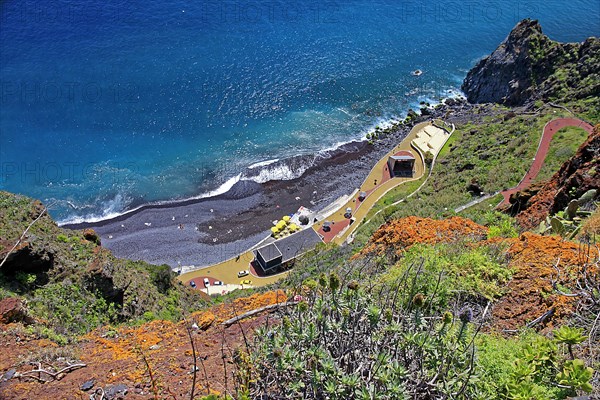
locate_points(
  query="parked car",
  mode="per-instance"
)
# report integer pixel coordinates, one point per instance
(218, 283)
(243, 273)
(206, 282)
(246, 282)
(193, 284)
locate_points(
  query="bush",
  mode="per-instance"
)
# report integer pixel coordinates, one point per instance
(357, 343)
(477, 271)
(70, 309)
(500, 225)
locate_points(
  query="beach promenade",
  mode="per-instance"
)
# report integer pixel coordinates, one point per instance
(423, 137)
(377, 184)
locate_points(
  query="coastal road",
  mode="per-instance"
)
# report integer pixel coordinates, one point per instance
(548, 133)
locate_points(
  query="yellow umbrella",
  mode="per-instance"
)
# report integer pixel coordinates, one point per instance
(275, 230)
(286, 218)
(281, 224)
(293, 227)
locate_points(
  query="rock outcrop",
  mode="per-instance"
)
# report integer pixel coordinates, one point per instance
(13, 309)
(528, 66)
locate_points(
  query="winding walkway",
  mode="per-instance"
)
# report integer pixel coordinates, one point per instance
(379, 182)
(548, 133)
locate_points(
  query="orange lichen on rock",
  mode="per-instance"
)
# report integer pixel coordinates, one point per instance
(537, 261)
(402, 233)
(245, 304)
(127, 342)
(534, 260)
(204, 319)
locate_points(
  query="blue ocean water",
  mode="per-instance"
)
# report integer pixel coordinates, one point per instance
(106, 105)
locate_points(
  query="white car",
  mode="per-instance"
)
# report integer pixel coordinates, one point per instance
(206, 282)
(243, 273)
(218, 283)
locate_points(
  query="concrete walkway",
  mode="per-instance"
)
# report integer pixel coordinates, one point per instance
(378, 182)
(376, 185)
(478, 200)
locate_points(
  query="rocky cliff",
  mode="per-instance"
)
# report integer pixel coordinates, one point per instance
(528, 66)
(73, 284)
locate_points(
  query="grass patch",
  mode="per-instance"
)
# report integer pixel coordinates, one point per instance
(476, 271)
(564, 145)
(394, 195)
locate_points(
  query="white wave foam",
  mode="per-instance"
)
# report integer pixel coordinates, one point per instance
(111, 209)
(279, 172)
(263, 163)
(224, 188)
(114, 208)
(339, 144)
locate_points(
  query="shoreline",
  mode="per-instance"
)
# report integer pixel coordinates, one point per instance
(204, 231)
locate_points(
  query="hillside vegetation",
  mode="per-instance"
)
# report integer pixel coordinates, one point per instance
(73, 284)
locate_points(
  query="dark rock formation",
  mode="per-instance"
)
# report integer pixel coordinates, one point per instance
(578, 175)
(13, 310)
(528, 66)
(475, 188)
(519, 201)
(27, 257)
(91, 236)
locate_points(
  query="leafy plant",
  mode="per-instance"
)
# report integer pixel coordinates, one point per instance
(576, 375)
(569, 336)
(359, 341)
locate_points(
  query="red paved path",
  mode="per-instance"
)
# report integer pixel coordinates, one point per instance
(549, 130)
(339, 226)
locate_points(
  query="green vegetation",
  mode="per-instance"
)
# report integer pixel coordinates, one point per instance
(357, 342)
(500, 225)
(387, 339)
(564, 145)
(73, 286)
(475, 271)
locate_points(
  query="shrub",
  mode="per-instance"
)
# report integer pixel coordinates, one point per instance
(356, 342)
(70, 309)
(478, 271)
(501, 225)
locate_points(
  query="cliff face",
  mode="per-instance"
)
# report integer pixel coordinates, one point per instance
(60, 272)
(528, 66)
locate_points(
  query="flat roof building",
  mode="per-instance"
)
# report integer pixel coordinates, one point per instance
(401, 164)
(271, 256)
